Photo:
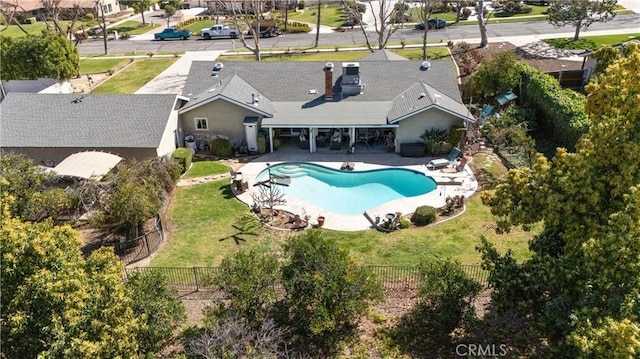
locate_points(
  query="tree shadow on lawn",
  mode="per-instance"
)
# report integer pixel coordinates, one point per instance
(246, 225)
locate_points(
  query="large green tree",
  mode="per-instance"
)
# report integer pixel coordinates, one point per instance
(582, 284)
(32, 57)
(580, 13)
(327, 290)
(139, 7)
(55, 304)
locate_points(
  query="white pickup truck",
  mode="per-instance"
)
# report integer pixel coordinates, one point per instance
(218, 31)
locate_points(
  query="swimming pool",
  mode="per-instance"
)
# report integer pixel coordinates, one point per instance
(349, 192)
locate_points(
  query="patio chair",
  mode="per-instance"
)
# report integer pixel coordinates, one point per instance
(453, 155)
(458, 167)
(486, 112)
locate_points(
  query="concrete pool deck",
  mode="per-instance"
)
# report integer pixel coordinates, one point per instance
(449, 184)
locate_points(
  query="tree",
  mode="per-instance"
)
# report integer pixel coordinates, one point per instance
(31, 197)
(157, 308)
(247, 16)
(445, 304)
(169, 11)
(327, 290)
(55, 304)
(502, 73)
(32, 57)
(583, 280)
(426, 8)
(139, 7)
(580, 13)
(382, 20)
(482, 24)
(98, 14)
(248, 279)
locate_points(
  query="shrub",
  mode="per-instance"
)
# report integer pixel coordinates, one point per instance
(221, 147)
(433, 138)
(183, 158)
(157, 306)
(455, 135)
(327, 290)
(301, 5)
(423, 215)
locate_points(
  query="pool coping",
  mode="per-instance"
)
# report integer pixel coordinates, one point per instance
(447, 184)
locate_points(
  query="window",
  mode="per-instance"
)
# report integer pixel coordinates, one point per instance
(110, 8)
(201, 124)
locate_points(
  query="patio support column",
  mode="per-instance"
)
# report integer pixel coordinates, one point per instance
(352, 136)
(312, 140)
(270, 140)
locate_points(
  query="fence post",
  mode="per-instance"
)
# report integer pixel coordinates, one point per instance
(195, 275)
(146, 244)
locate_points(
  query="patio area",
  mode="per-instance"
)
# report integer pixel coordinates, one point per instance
(448, 184)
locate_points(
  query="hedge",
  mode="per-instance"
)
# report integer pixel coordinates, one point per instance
(183, 155)
(560, 111)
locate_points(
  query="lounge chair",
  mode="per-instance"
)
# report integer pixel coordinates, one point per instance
(458, 167)
(454, 154)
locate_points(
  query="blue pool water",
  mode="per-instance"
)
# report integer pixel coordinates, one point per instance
(349, 192)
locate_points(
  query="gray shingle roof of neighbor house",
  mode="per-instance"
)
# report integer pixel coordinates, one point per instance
(75, 120)
(299, 87)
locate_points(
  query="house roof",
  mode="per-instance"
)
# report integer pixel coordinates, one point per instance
(295, 90)
(383, 55)
(420, 97)
(233, 89)
(74, 120)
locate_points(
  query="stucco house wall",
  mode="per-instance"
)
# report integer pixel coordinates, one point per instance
(223, 118)
(412, 127)
(170, 140)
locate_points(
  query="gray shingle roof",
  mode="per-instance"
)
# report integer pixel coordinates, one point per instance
(383, 55)
(421, 96)
(296, 89)
(233, 89)
(54, 120)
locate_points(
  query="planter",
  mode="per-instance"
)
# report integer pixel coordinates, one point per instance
(320, 221)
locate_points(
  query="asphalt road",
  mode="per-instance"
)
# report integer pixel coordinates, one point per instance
(353, 37)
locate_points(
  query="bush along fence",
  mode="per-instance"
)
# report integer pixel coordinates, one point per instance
(391, 277)
(135, 249)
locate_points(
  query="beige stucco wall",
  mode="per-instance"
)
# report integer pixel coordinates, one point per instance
(224, 118)
(168, 141)
(57, 154)
(412, 127)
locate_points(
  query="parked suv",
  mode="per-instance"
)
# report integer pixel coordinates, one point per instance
(433, 24)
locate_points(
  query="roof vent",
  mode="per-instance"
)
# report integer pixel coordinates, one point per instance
(422, 95)
(437, 97)
(425, 65)
(218, 66)
(313, 92)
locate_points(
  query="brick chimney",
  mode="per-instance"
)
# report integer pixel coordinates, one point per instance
(328, 81)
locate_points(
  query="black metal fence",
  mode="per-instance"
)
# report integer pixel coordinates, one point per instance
(135, 249)
(391, 277)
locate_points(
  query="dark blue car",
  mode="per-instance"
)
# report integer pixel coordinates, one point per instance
(433, 24)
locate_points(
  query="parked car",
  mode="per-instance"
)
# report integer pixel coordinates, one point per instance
(433, 24)
(172, 33)
(219, 31)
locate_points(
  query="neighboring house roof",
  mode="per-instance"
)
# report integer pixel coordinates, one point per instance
(87, 164)
(295, 90)
(235, 90)
(28, 5)
(74, 120)
(383, 55)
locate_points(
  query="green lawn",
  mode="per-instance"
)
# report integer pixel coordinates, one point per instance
(409, 53)
(591, 42)
(132, 28)
(207, 223)
(330, 15)
(99, 66)
(416, 53)
(205, 168)
(134, 76)
(199, 25)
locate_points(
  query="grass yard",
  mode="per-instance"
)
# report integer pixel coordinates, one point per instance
(434, 53)
(330, 15)
(409, 53)
(37, 28)
(134, 76)
(207, 223)
(132, 28)
(199, 25)
(205, 168)
(591, 42)
(99, 66)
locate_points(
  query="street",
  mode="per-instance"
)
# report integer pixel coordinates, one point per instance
(469, 33)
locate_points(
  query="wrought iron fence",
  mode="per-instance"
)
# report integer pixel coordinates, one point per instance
(135, 249)
(391, 277)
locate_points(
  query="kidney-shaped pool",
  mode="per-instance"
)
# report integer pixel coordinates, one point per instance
(348, 192)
